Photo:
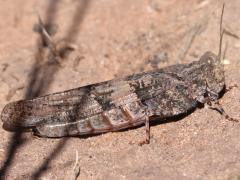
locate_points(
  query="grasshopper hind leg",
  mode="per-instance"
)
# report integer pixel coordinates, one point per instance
(147, 129)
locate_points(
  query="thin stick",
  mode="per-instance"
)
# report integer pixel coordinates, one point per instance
(46, 37)
(76, 168)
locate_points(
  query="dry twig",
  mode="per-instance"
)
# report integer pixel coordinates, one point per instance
(76, 168)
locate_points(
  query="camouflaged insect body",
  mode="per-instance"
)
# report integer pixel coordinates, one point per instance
(120, 103)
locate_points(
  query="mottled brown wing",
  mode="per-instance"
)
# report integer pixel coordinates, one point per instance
(107, 106)
(27, 113)
(102, 107)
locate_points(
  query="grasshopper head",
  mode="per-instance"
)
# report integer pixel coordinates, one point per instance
(214, 71)
(214, 75)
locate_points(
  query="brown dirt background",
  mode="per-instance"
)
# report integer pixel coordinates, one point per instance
(113, 39)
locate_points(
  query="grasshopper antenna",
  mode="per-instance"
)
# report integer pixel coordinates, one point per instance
(221, 34)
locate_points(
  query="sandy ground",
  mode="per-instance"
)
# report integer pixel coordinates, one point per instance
(113, 39)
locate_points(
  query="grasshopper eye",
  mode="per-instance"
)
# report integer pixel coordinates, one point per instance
(212, 95)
